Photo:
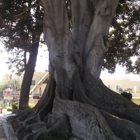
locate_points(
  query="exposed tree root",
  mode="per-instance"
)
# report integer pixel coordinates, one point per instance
(86, 121)
(40, 130)
(40, 135)
(75, 102)
(81, 121)
(33, 119)
(21, 116)
(79, 91)
(103, 96)
(122, 127)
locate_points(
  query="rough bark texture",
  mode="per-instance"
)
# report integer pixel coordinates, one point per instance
(76, 105)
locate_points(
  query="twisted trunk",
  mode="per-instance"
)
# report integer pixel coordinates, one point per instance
(76, 102)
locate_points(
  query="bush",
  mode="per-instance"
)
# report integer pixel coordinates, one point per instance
(31, 105)
(14, 105)
(127, 95)
(9, 108)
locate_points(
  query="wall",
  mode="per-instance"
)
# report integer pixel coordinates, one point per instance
(39, 84)
(123, 83)
(136, 101)
(126, 84)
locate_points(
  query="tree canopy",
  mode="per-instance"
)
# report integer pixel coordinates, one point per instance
(19, 23)
(11, 82)
(20, 31)
(21, 28)
(124, 38)
(75, 100)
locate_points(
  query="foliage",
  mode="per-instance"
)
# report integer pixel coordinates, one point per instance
(19, 32)
(9, 108)
(21, 28)
(124, 38)
(31, 105)
(2, 87)
(127, 95)
(10, 81)
(13, 82)
(17, 60)
(14, 105)
(78, 91)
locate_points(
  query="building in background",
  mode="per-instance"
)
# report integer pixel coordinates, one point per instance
(125, 84)
(36, 78)
(38, 85)
(40, 80)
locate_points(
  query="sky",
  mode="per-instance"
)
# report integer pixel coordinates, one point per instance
(42, 65)
(119, 74)
(42, 62)
(4, 67)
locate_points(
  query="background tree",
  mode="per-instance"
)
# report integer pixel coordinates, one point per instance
(2, 87)
(22, 31)
(125, 27)
(75, 100)
(10, 81)
(124, 38)
(17, 60)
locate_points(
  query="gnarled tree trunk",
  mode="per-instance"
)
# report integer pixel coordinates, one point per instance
(76, 102)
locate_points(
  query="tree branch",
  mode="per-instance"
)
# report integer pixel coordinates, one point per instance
(32, 6)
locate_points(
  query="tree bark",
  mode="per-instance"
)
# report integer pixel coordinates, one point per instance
(76, 102)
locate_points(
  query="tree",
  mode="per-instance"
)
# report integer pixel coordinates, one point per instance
(2, 87)
(16, 60)
(125, 28)
(12, 82)
(76, 102)
(22, 31)
(27, 79)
